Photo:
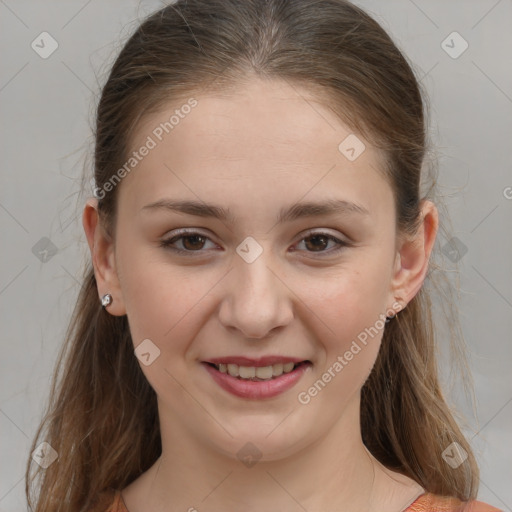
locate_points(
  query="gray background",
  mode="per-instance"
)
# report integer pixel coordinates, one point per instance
(46, 108)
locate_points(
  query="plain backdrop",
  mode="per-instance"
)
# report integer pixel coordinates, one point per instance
(46, 108)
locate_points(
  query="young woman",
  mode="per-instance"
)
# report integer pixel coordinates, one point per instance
(253, 332)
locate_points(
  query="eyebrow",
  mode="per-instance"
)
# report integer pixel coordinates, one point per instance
(296, 211)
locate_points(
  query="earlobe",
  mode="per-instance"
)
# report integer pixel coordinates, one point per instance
(101, 247)
(414, 254)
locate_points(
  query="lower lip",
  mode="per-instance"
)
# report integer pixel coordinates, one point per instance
(257, 389)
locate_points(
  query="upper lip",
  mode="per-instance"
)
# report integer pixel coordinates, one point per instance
(256, 362)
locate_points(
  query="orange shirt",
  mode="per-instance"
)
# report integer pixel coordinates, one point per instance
(112, 501)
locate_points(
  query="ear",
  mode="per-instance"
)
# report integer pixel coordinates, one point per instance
(413, 256)
(103, 258)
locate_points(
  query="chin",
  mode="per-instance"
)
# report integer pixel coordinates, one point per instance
(262, 441)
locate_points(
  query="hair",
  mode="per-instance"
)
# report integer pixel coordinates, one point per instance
(102, 416)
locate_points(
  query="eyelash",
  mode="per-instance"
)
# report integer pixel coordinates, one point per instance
(167, 244)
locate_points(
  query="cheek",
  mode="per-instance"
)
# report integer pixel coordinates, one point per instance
(158, 297)
(162, 304)
(351, 308)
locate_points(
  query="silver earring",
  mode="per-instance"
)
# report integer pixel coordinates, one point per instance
(389, 318)
(106, 300)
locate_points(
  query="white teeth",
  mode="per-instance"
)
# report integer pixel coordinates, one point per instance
(277, 369)
(260, 372)
(233, 370)
(247, 372)
(264, 372)
(288, 367)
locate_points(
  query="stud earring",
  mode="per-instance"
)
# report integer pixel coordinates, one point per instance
(106, 300)
(395, 312)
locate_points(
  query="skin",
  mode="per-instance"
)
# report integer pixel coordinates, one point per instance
(256, 150)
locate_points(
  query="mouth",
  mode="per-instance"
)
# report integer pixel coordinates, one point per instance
(256, 379)
(257, 373)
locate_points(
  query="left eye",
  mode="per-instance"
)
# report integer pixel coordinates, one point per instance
(321, 240)
(194, 242)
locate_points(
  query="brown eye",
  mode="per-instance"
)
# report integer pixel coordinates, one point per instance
(318, 242)
(191, 242)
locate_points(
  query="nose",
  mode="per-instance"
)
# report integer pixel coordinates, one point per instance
(256, 300)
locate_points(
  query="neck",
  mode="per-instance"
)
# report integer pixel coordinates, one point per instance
(334, 473)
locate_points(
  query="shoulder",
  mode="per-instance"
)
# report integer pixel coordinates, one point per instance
(434, 503)
(109, 501)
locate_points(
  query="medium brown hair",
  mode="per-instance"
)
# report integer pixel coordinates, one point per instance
(102, 414)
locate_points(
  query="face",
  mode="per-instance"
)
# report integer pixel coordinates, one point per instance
(266, 281)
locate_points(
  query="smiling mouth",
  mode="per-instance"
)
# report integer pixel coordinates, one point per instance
(257, 373)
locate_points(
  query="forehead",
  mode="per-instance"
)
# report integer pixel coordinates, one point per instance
(266, 141)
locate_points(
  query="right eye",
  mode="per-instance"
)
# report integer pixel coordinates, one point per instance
(191, 241)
